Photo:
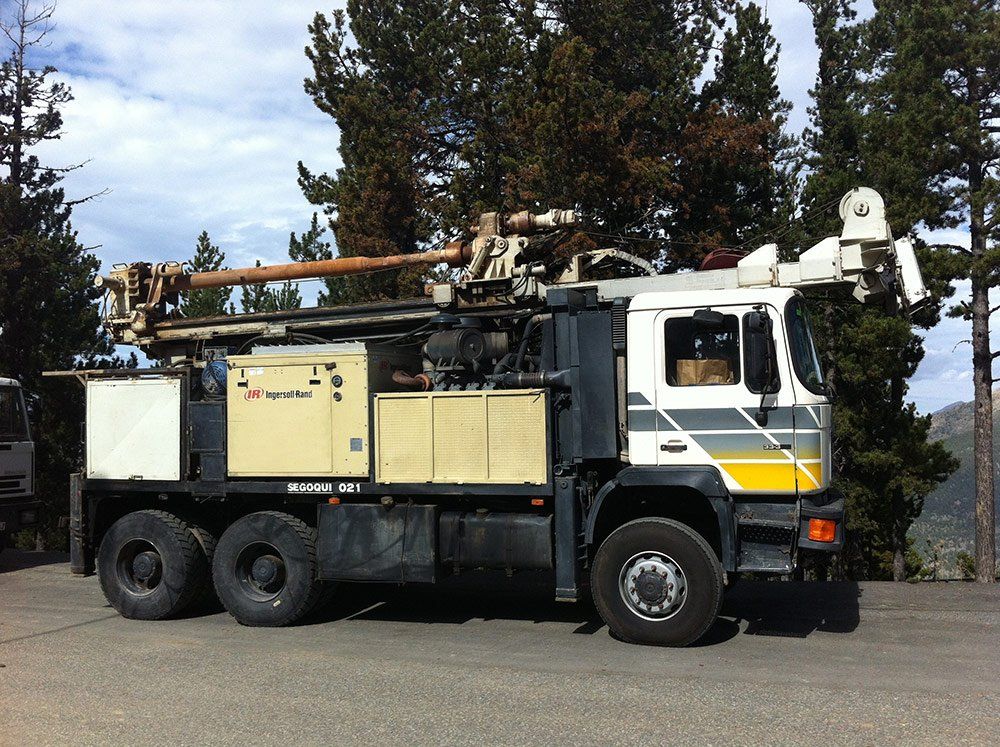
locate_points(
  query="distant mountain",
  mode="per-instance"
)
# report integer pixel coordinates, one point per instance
(949, 512)
(956, 418)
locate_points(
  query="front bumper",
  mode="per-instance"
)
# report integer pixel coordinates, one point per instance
(827, 507)
(18, 515)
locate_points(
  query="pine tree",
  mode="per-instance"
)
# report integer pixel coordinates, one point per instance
(447, 109)
(386, 93)
(610, 123)
(884, 463)
(310, 247)
(754, 196)
(832, 142)
(937, 70)
(208, 301)
(258, 297)
(48, 313)
(284, 296)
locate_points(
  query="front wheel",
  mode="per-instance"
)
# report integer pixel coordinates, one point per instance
(657, 581)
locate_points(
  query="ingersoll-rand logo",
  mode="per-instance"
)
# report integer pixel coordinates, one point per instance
(255, 394)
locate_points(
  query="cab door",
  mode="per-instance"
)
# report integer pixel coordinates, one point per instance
(709, 400)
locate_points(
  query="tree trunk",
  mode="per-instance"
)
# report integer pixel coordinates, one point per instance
(982, 368)
(900, 524)
(899, 528)
(17, 126)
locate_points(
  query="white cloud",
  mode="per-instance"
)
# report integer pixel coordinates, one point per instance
(194, 117)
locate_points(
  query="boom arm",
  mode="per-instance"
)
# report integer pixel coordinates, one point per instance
(500, 274)
(864, 259)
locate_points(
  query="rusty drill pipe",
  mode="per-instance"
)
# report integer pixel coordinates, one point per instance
(454, 254)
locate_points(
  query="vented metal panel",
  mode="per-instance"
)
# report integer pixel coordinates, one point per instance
(462, 437)
(460, 421)
(515, 443)
(305, 413)
(404, 435)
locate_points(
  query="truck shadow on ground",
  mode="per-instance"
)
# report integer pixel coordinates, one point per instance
(19, 560)
(762, 608)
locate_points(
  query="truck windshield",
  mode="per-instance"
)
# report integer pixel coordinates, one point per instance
(804, 357)
(13, 423)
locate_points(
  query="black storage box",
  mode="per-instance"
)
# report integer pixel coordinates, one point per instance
(371, 542)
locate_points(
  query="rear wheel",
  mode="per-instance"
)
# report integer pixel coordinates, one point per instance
(151, 565)
(657, 581)
(265, 569)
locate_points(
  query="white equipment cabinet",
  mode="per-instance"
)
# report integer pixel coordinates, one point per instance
(134, 429)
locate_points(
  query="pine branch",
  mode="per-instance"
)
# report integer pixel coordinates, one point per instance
(88, 198)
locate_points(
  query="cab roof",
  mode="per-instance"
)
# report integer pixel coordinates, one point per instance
(655, 300)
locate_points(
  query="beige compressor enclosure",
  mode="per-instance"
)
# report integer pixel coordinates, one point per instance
(494, 437)
(304, 412)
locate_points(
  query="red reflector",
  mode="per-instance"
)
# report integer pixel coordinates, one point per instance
(822, 530)
(537, 501)
(333, 500)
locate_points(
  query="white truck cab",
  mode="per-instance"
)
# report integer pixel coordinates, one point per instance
(700, 392)
(17, 463)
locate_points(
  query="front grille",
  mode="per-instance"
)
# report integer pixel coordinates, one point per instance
(771, 535)
(14, 486)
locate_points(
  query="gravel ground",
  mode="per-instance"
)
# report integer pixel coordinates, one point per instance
(491, 660)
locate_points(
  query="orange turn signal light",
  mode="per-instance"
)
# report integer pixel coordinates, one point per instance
(537, 501)
(333, 500)
(822, 530)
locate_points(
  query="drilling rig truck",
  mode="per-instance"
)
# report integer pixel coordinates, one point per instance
(643, 437)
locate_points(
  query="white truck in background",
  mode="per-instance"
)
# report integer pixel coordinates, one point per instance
(18, 510)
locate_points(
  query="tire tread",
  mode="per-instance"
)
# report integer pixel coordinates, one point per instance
(316, 589)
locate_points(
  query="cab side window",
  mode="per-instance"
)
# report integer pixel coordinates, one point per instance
(702, 354)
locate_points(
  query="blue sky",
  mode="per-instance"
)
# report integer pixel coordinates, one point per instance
(192, 115)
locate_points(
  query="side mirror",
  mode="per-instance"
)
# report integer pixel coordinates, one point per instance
(761, 359)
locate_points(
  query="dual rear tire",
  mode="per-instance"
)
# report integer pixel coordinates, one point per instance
(264, 569)
(153, 565)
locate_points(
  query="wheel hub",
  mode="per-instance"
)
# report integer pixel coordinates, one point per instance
(260, 571)
(653, 585)
(139, 566)
(265, 570)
